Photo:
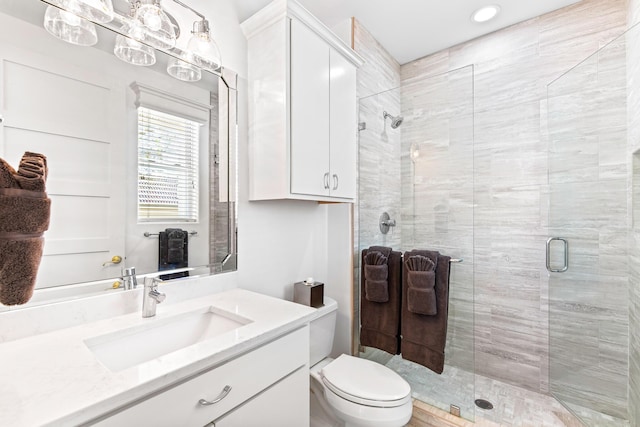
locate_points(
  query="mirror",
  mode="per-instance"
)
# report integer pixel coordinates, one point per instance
(84, 109)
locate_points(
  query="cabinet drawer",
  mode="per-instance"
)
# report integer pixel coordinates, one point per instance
(247, 375)
(266, 409)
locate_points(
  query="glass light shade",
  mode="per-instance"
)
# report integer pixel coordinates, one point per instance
(159, 31)
(100, 11)
(134, 52)
(205, 51)
(69, 27)
(184, 71)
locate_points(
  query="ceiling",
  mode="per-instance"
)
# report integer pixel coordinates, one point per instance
(411, 29)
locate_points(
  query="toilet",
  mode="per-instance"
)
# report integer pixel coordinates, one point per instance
(353, 392)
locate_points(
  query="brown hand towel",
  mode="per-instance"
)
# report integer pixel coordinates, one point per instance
(382, 249)
(24, 216)
(376, 273)
(424, 337)
(376, 290)
(380, 321)
(421, 296)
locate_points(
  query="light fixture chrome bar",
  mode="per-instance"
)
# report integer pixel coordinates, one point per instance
(190, 8)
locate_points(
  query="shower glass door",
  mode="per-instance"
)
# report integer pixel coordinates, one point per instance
(588, 228)
(421, 173)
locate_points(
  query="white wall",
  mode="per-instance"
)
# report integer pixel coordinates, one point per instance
(279, 242)
(283, 242)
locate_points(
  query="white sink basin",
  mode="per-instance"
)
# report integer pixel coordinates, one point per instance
(129, 347)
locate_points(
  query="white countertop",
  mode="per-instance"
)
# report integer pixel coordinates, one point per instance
(55, 379)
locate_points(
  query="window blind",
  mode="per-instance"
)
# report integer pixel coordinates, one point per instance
(167, 167)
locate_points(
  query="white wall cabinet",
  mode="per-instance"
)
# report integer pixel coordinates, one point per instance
(302, 107)
(275, 374)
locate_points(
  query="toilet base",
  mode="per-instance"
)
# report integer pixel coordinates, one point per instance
(355, 415)
(319, 415)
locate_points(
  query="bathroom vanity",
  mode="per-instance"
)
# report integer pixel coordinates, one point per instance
(228, 359)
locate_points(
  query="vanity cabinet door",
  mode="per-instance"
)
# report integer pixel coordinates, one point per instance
(309, 112)
(279, 406)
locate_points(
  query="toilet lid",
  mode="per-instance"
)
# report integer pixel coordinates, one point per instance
(365, 382)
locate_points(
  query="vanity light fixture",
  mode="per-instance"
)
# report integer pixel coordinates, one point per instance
(485, 13)
(129, 49)
(147, 27)
(161, 30)
(69, 27)
(204, 49)
(99, 11)
(183, 70)
(132, 51)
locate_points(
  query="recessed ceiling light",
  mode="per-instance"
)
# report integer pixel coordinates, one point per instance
(485, 13)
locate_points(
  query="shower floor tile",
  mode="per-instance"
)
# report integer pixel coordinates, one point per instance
(513, 406)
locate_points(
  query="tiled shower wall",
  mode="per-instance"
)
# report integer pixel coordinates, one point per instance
(633, 138)
(379, 150)
(512, 68)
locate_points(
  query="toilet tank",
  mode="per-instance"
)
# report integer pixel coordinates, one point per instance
(322, 330)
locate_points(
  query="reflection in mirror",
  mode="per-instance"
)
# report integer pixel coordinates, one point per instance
(142, 166)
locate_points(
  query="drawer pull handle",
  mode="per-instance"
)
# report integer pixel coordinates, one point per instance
(221, 396)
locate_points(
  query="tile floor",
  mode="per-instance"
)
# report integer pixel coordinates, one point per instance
(513, 406)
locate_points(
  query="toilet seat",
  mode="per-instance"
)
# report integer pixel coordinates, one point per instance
(365, 382)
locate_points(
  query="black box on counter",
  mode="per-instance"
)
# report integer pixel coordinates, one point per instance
(311, 294)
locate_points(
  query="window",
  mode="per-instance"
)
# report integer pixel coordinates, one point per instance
(167, 167)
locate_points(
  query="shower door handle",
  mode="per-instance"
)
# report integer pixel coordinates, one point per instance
(565, 265)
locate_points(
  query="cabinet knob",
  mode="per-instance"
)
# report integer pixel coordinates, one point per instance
(326, 181)
(225, 391)
(335, 182)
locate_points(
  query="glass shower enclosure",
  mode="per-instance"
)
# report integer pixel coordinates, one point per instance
(416, 191)
(589, 223)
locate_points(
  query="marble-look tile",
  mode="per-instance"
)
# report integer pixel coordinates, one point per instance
(633, 132)
(480, 188)
(437, 63)
(380, 71)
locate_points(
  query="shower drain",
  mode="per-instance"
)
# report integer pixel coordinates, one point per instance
(484, 404)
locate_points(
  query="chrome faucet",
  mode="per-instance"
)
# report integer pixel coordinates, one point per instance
(129, 280)
(151, 296)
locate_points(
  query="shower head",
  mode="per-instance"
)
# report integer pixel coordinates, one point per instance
(396, 121)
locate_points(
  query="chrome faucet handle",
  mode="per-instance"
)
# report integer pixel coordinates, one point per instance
(158, 296)
(129, 279)
(151, 296)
